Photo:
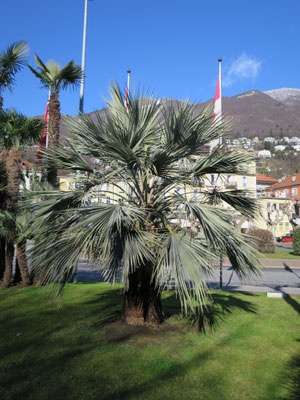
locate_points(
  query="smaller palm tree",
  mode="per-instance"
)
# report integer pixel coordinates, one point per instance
(55, 78)
(16, 131)
(11, 61)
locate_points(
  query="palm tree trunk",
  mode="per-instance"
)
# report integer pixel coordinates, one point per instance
(2, 257)
(142, 303)
(8, 265)
(17, 275)
(22, 261)
(53, 139)
(1, 103)
(13, 167)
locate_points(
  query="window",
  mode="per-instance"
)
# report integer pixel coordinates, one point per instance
(294, 191)
(286, 226)
(268, 205)
(244, 181)
(275, 206)
(281, 226)
(212, 179)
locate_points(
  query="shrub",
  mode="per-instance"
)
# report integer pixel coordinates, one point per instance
(296, 241)
(263, 240)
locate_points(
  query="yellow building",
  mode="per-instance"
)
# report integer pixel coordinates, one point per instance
(275, 215)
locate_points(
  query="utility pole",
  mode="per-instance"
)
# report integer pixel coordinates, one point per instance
(83, 58)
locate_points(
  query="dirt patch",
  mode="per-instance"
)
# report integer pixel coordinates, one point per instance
(119, 332)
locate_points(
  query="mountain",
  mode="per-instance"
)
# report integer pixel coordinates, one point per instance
(256, 113)
(285, 95)
(253, 113)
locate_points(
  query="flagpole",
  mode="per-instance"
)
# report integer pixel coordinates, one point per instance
(83, 58)
(47, 131)
(128, 78)
(127, 88)
(220, 88)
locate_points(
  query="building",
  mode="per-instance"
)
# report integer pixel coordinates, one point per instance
(264, 181)
(286, 187)
(275, 215)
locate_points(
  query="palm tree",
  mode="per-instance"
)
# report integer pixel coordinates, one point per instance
(11, 61)
(55, 78)
(16, 130)
(3, 183)
(133, 207)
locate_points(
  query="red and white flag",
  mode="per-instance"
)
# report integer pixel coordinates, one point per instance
(127, 90)
(44, 138)
(218, 103)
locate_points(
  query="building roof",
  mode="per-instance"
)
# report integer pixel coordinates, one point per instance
(289, 181)
(265, 178)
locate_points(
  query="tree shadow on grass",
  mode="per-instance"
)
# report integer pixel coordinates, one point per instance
(221, 305)
(291, 379)
(293, 303)
(38, 359)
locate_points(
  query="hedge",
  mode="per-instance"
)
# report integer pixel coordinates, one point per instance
(296, 241)
(263, 240)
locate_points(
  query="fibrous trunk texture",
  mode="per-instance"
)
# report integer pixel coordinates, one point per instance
(22, 262)
(1, 103)
(2, 257)
(13, 167)
(53, 139)
(142, 304)
(8, 264)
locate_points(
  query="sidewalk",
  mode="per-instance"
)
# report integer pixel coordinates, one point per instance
(272, 263)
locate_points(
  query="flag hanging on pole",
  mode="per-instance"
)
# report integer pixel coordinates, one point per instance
(127, 89)
(217, 114)
(218, 103)
(44, 135)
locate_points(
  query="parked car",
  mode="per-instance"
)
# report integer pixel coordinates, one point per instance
(285, 238)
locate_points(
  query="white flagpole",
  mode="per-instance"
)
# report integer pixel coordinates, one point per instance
(47, 134)
(127, 88)
(83, 58)
(220, 88)
(128, 79)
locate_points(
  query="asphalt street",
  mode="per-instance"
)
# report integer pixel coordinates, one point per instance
(285, 279)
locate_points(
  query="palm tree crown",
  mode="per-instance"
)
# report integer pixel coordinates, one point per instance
(54, 77)
(11, 61)
(133, 206)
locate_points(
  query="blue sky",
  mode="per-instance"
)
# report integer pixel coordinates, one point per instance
(171, 46)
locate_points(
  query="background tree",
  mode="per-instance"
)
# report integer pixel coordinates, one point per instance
(55, 78)
(16, 131)
(3, 183)
(147, 171)
(12, 60)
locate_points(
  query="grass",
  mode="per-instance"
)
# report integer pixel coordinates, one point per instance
(80, 349)
(282, 254)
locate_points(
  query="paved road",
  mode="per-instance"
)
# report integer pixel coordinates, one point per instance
(284, 276)
(284, 246)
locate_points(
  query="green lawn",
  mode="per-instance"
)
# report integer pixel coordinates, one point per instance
(81, 350)
(281, 254)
